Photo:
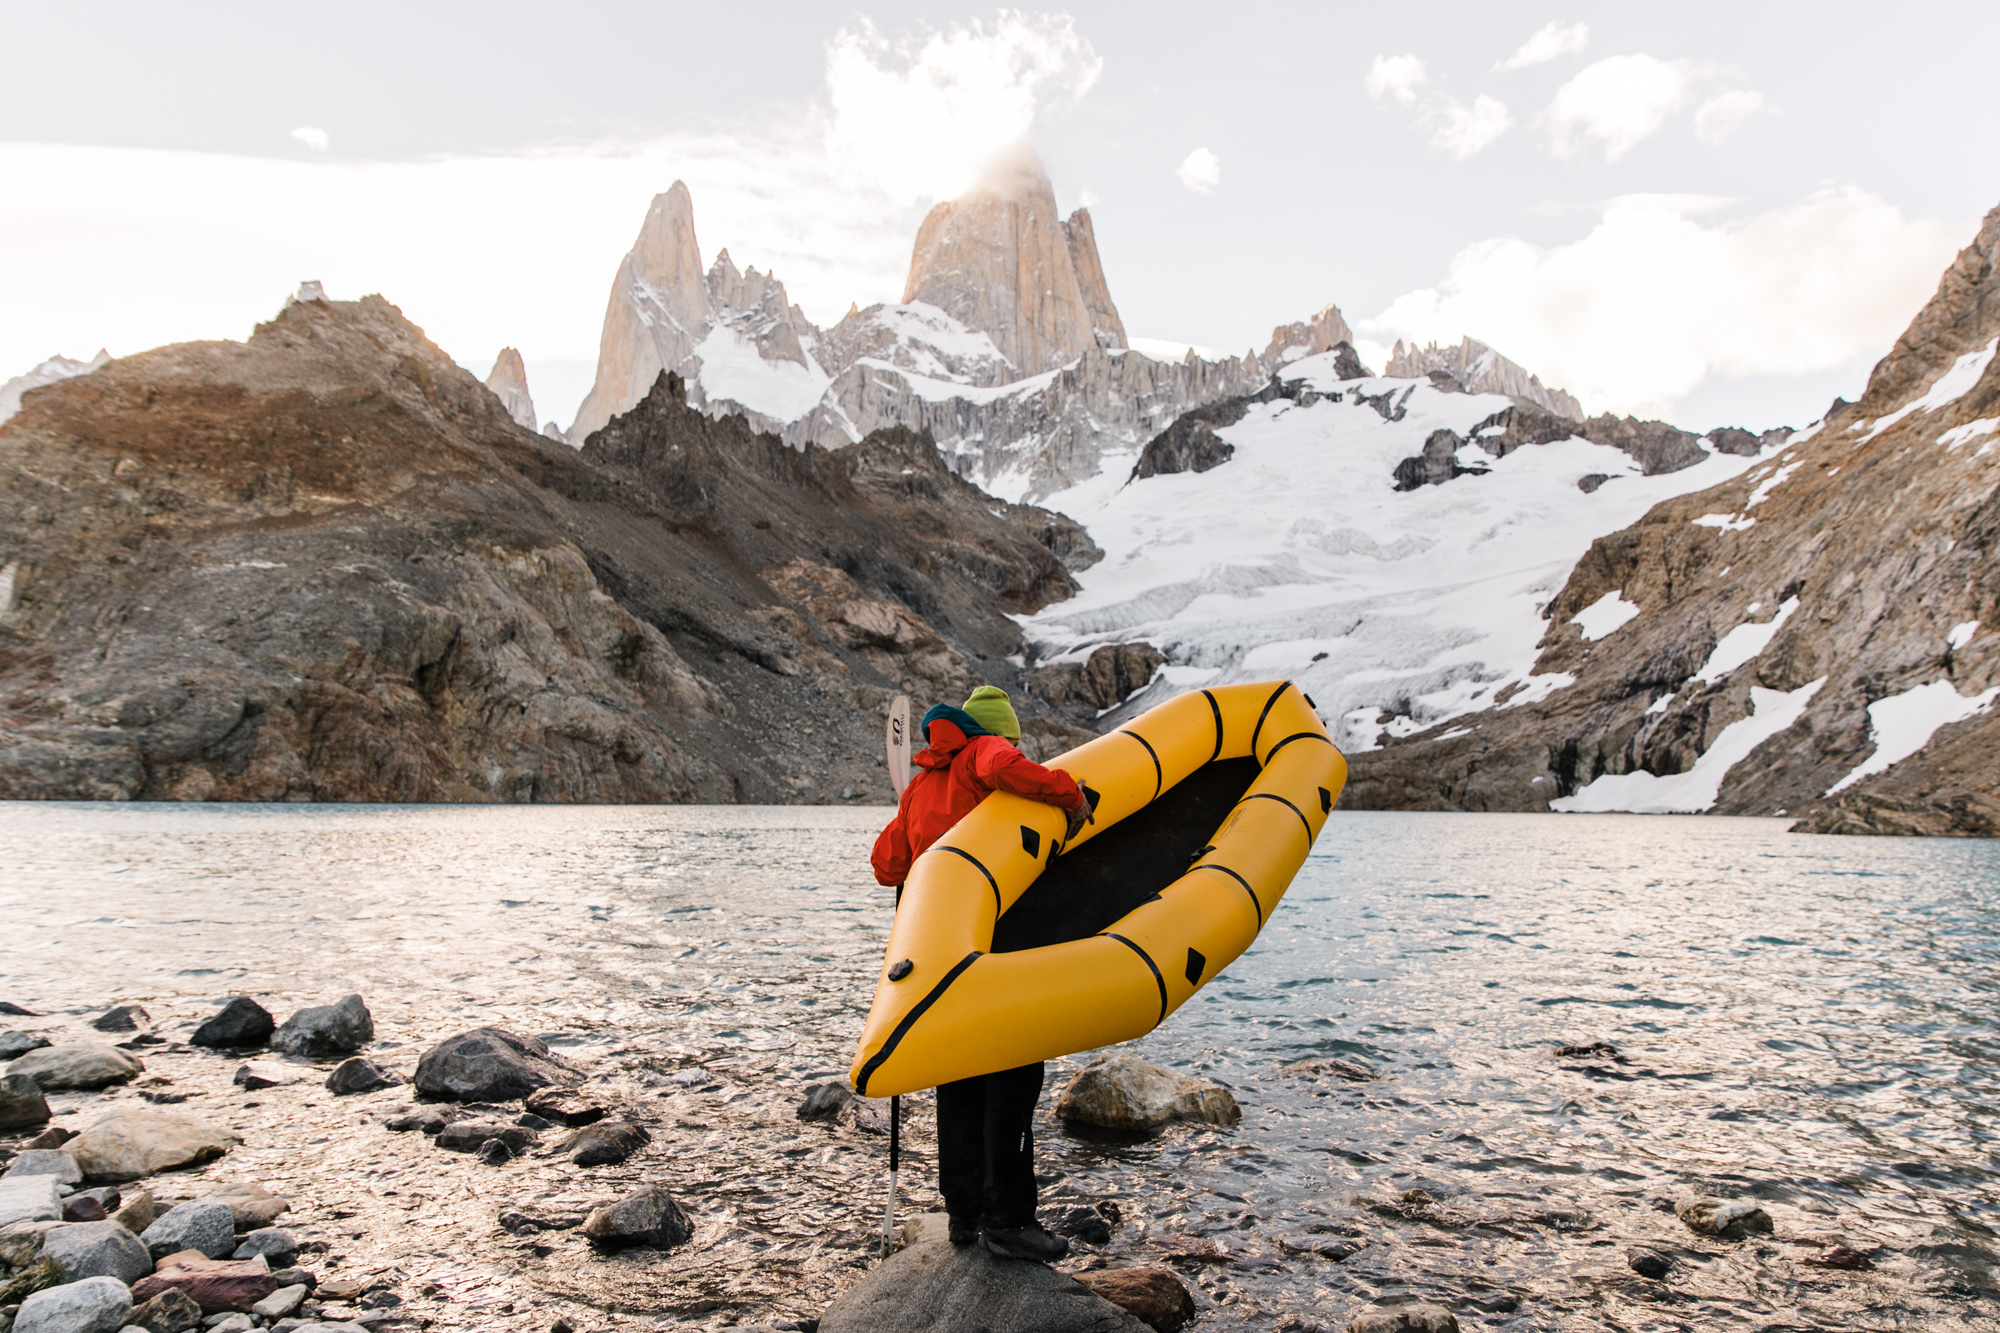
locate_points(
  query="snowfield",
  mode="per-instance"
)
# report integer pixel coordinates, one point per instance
(1397, 611)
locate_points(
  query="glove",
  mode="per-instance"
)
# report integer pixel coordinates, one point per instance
(1077, 819)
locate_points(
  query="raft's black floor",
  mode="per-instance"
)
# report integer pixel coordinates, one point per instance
(1088, 889)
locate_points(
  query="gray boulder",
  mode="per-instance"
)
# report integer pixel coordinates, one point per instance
(124, 1018)
(207, 1227)
(131, 1145)
(282, 1302)
(1731, 1219)
(1414, 1318)
(97, 1249)
(358, 1075)
(59, 1068)
(13, 1044)
(30, 1199)
(648, 1216)
(22, 1105)
(276, 1244)
(94, 1305)
(172, 1311)
(608, 1142)
(341, 1028)
(251, 1205)
(46, 1162)
(1121, 1091)
(933, 1286)
(241, 1023)
(489, 1065)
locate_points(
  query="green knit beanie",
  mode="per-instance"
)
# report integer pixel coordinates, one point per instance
(989, 707)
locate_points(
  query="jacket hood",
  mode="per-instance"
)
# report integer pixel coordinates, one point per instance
(947, 730)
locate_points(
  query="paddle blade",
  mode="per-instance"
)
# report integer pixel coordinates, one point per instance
(899, 743)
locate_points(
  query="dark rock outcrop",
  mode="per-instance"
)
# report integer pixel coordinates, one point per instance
(1109, 676)
(1437, 464)
(648, 1217)
(324, 1030)
(1190, 444)
(241, 1023)
(325, 564)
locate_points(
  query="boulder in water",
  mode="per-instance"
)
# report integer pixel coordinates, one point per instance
(327, 1030)
(933, 1286)
(131, 1145)
(648, 1216)
(1725, 1219)
(1153, 1296)
(21, 1102)
(241, 1023)
(60, 1068)
(489, 1065)
(1121, 1091)
(358, 1075)
(1415, 1318)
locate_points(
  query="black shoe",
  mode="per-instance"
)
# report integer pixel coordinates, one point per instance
(963, 1232)
(1028, 1242)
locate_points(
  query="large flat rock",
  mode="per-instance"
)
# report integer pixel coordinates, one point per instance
(933, 1286)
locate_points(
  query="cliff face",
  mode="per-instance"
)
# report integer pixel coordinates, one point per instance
(326, 564)
(1814, 636)
(1001, 260)
(508, 382)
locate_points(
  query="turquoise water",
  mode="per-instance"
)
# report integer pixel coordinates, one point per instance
(1809, 1022)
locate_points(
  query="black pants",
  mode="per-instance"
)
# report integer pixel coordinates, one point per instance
(986, 1146)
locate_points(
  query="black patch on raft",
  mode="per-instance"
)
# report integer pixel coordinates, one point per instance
(1196, 966)
(1031, 841)
(1083, 891)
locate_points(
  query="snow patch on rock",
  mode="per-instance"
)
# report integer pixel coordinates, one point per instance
(1903, 724)
(1606, 615)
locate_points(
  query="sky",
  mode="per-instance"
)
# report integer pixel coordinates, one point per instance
(1720, 214)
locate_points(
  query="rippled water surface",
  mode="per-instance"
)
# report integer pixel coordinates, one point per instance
(1806, 1022)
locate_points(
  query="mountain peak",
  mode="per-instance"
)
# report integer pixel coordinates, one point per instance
(1001, 260)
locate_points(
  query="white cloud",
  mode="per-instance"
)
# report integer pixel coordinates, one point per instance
(1724, 114)
(1454, 127)
(921, 119)
(1201, 172)
(312, 136)
(1620, 101)
(1396, 77)
(1650, 303)
(1463, 130)
(1554, 40)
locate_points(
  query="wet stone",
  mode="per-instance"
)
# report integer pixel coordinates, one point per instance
(83, 1209)
(825, 1101)
(97, 1249)
(261, 1074)
(1327, 1066)
(1648, 1263)
(21, 1102)
(276, 1244)
(124, 1018)
(13, 1044)
(324, 1031)
(357, 1075)
(471, 1135)
(78, 1068)
(240, 1024)
(1122, 1092)
(206, 1227)
(46, 1162)
(1731, 1219)
(489, 1065)
(280, 1303)
(136, 1213)
(603, 1144)
(1084, 1224)
(1841, 1257)
(249, 1205)
(648, 1216)
(529, 1120)
(566, 1106)
(55, 1136)
(172, 1311)
(131, 1145)
(1154, 1296)
(215, 1285)
(430, 1122)
(94, 1305)
(494, 1153)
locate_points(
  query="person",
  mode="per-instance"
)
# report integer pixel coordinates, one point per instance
(985, 1125)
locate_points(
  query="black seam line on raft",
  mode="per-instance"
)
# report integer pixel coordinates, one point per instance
(1159, 774)
(1216, 709)
(1255, 901)
(1266, 713)
(909, 1021)
(1295, 736)
(1158, 978)
(1273, 796)
(992, 882)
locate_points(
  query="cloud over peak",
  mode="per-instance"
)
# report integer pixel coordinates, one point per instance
(1556, 39)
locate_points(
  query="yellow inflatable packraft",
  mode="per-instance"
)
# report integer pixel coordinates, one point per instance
(1008, 948)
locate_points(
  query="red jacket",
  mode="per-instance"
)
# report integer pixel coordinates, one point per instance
(957, 775)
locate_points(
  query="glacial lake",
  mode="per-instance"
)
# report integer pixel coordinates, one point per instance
(1810, 1023)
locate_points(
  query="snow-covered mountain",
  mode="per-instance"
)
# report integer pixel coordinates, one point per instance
(1294, 543)
(48, 372)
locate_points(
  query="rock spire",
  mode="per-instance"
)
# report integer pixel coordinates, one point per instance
(1479, 369)
(509, 383)
(1001, 260)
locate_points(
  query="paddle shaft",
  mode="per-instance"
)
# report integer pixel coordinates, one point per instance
(895, 1156)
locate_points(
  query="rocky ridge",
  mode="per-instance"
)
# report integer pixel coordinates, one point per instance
(326, 564)
(509, 383)
(1811, 637)
(51, 371)
(1477, 368)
